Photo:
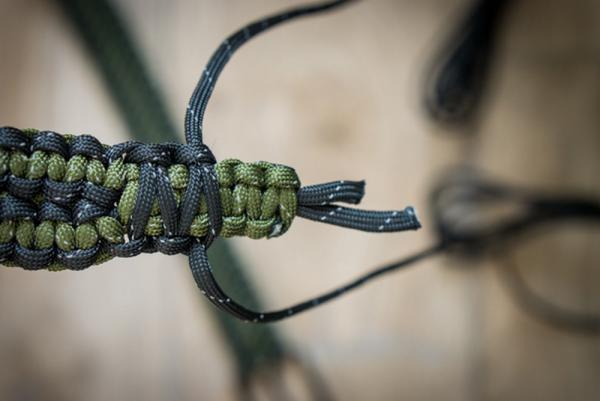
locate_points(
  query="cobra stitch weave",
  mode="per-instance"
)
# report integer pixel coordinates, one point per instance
(70, 212)
(67, 202)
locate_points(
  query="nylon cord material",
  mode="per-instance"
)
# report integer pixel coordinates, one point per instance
(103, 31)
(157, 217)
(68, 202)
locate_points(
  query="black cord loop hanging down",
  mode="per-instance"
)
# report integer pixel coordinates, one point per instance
(124, 212)
(199, 263)
(78, 202)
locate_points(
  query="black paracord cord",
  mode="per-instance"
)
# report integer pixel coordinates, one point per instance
(199, 264)
(318, 203)
(153, 184)
(194, 116)
(460, 203)
(457, 80)
(453, 95)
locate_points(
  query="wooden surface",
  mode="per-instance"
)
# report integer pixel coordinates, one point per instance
(337, 96)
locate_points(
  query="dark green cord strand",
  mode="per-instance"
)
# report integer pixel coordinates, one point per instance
(253, 347)
(257, 198)
(136, 94)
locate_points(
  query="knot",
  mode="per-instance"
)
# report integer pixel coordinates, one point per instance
(194, 153)
(150, 206)
(153, 153)
(258, 199)
(70, 201)
(49, 141)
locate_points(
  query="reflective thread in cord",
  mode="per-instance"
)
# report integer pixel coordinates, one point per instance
(70, 202)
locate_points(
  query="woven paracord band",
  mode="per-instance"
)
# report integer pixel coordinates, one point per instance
(68, 201)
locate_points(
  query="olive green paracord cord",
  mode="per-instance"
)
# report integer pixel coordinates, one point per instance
(255, 198)
(67, 206)
(131, 198)
(85, 201)
(255, 350)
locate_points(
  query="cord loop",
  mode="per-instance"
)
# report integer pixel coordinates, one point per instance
(131, 197)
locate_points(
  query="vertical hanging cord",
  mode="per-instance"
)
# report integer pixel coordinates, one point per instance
(203, 184)
(202, 176)
(141, 104)
(194, 115)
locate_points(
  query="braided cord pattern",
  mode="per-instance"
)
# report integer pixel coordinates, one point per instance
(71, 205)
(70, 202)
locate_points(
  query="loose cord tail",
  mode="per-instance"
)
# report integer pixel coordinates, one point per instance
(202, 272)
(194, 116)
(129, 199)
(141, 104)
(323, 212)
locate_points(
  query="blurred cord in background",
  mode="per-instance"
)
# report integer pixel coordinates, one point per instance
(259, 351)
(437, 333)
(457, 78)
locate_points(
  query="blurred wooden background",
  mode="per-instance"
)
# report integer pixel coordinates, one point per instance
(336, 96)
